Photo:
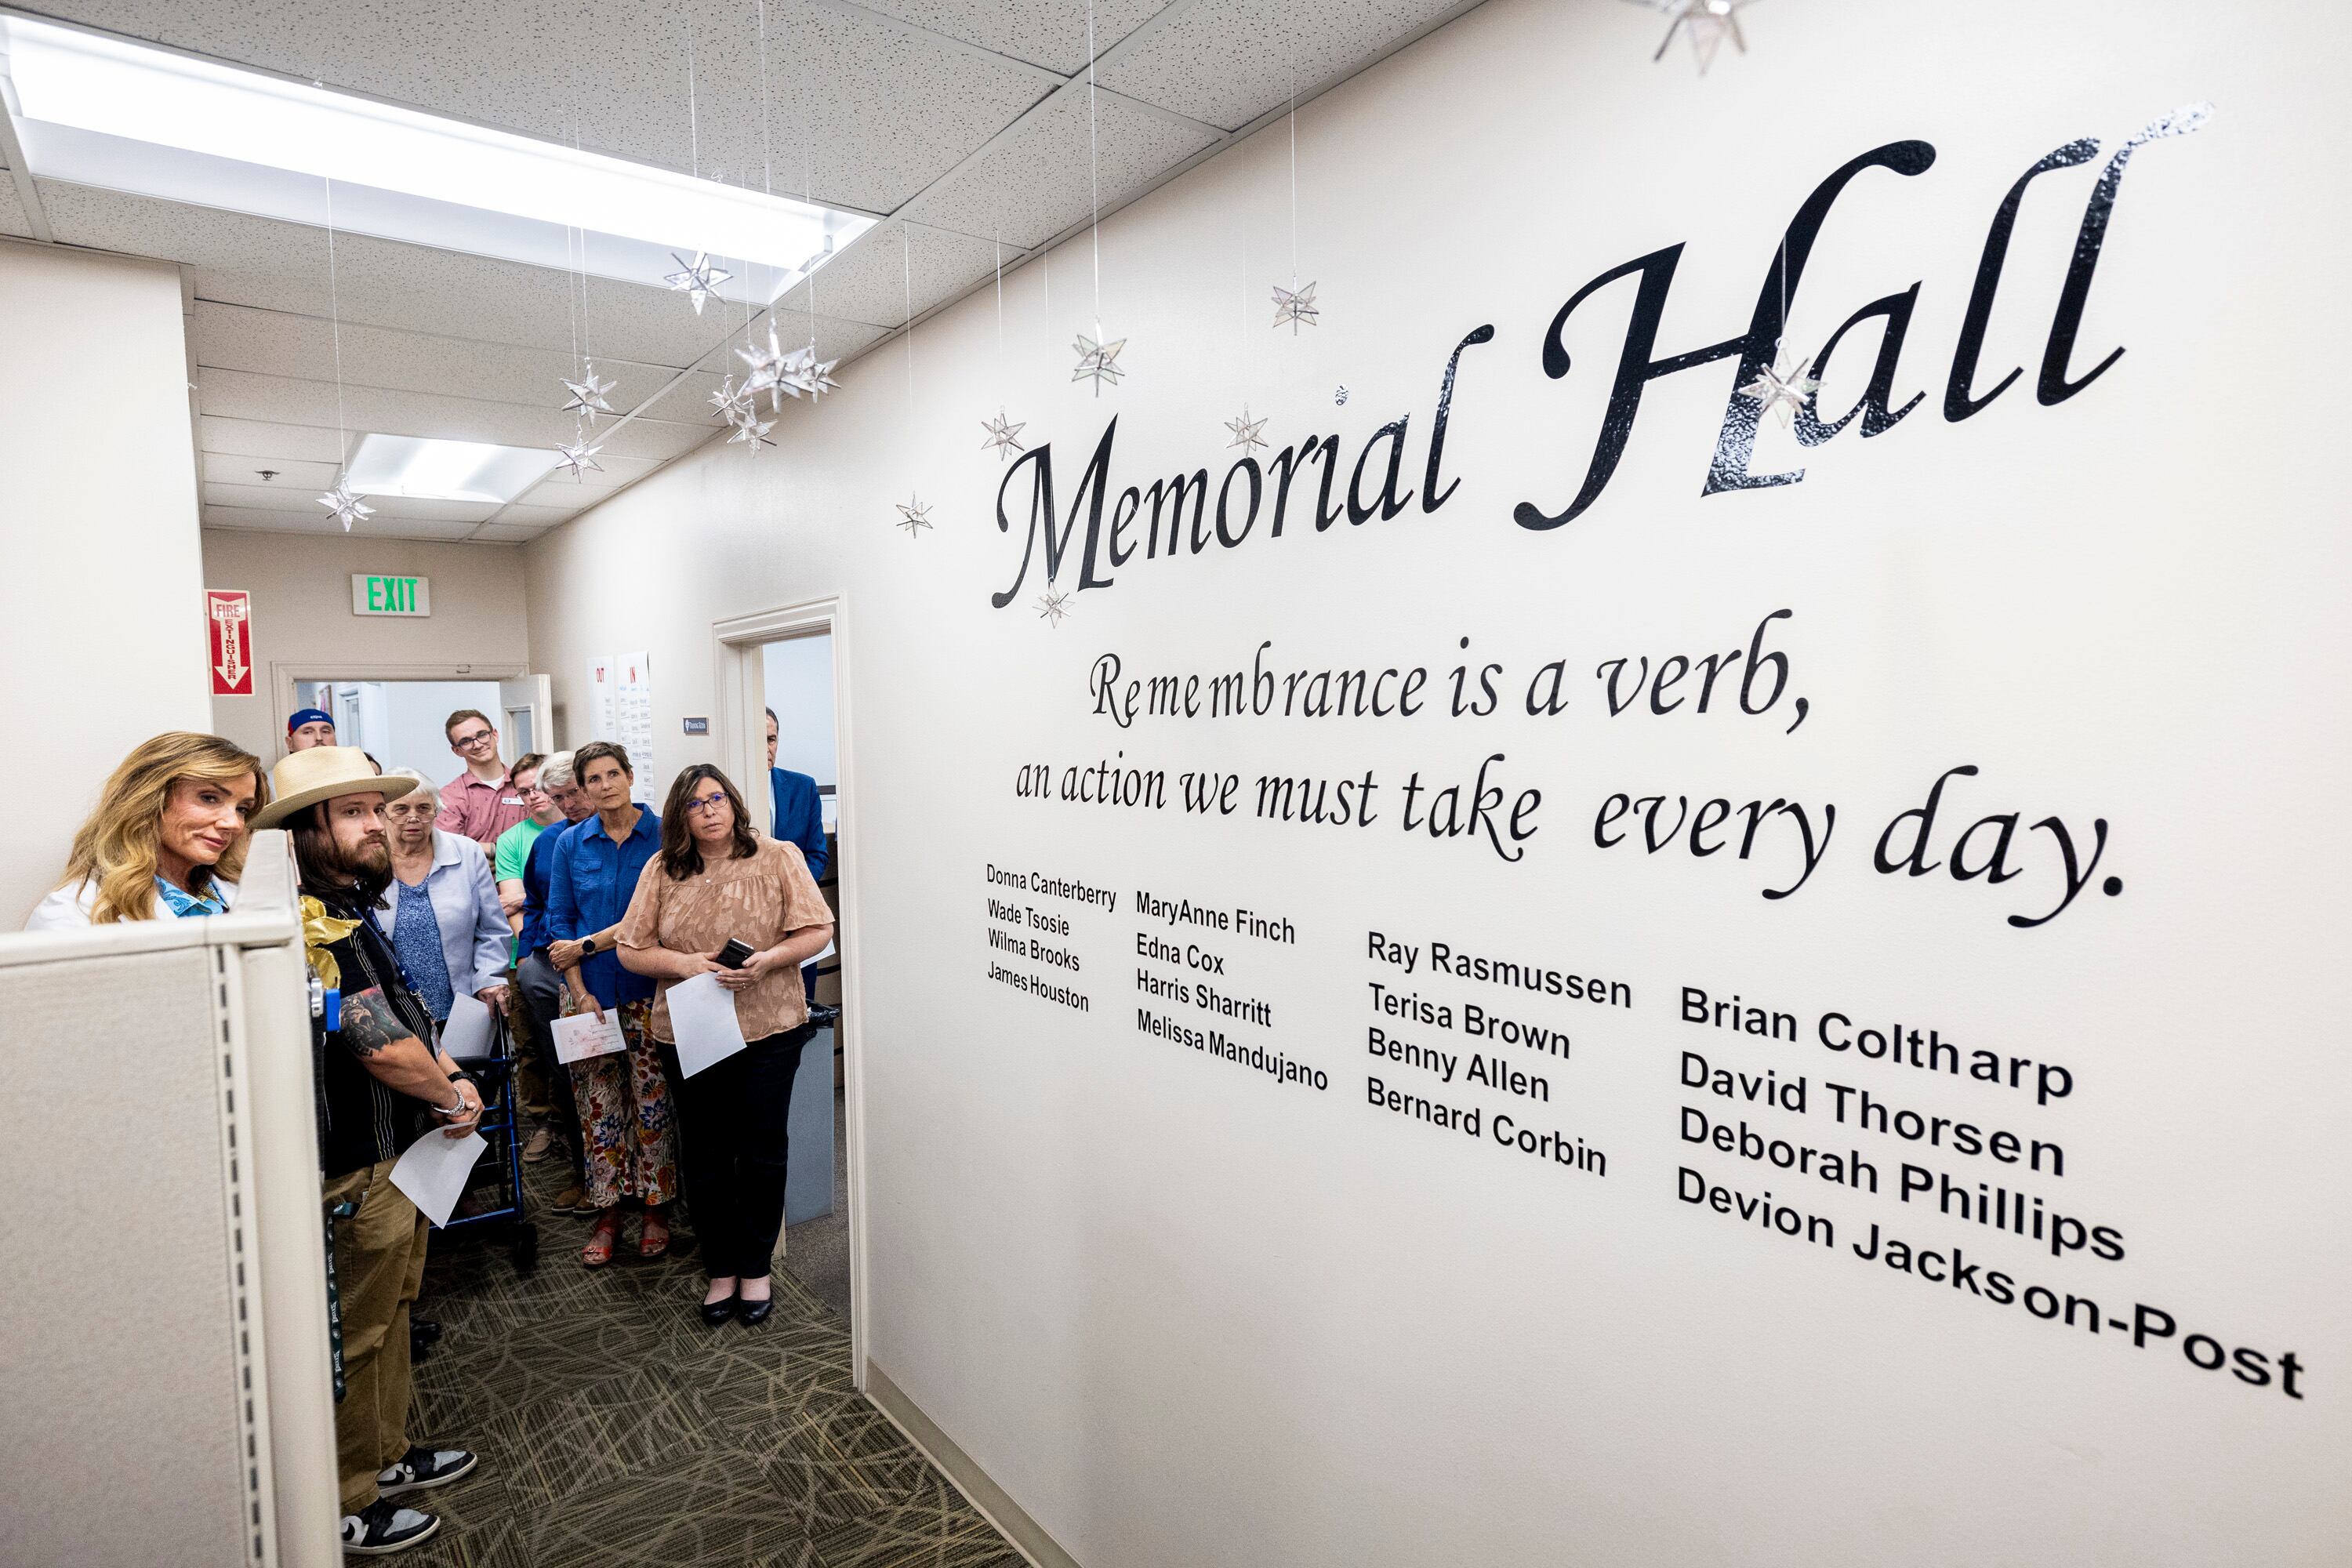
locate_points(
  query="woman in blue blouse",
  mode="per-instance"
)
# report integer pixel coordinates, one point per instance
(625, 1117)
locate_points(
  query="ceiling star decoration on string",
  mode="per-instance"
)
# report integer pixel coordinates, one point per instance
(1099, 361)
(588, 393)
(750, 430)
(580, 458)
(726, 399)
(765, 370)
(1296, 305)
(697, 279)
(913, 515)
(1708, 22)
(1053, 605)
(809, 374)
(1003, 435)
(1782, 392)
(1246, 431)
(344, 507)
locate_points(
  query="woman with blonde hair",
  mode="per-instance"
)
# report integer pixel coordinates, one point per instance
(167, 838)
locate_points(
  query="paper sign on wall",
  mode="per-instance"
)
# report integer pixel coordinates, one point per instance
(229, 623)
(621, 710)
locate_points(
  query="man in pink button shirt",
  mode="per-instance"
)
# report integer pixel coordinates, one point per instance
(482, 802)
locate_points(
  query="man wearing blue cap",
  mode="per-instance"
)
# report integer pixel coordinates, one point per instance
(310, 727)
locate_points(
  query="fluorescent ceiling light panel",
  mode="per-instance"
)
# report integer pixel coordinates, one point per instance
(103, 112)
(446, 471)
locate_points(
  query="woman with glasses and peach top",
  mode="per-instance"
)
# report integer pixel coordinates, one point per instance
(716, 881)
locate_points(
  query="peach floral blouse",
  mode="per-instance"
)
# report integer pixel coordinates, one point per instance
(762, 898)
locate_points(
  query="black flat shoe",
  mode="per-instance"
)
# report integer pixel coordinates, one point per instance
(717, 1313)
(754, 1313)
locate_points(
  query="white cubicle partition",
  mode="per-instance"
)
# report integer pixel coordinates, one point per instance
(163, 1361)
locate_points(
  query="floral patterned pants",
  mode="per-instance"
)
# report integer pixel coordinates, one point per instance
(625, 1117)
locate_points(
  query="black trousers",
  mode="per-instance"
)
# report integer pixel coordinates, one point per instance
(733, 1138)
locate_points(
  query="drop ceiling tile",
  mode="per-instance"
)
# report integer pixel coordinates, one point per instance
(251, 438)
(410, 509)
(286, 400)
(324, 527)
(262, 498)
(1048, 33)
(239, 337)
(879, 113)
(1229, 61)
(244, 261)
(835, 340)
(12, 208)
(564, 490)
(503, 532)
(302, 478)
(1037, 182)
(869, 283)
(539, 518)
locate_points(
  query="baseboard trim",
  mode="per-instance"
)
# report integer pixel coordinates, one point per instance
(1010, 1517)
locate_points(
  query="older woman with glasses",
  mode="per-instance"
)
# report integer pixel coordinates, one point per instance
(448, 928)
(166, 840)
(716, 881)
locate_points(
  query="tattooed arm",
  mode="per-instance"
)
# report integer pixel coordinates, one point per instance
(390, 1051)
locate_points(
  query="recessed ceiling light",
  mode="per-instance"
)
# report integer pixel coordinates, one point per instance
(99, 110)
(446, 471)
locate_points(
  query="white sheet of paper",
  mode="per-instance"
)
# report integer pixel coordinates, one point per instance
(434, 1171)
(584, 1034)
(702, 1020)
(468, 1031)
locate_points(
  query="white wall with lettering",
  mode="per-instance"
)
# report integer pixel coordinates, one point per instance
(1190, 1309)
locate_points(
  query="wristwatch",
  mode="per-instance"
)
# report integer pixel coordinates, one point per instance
(587, 945)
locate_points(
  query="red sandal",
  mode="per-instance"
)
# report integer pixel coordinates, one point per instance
(599, 1250)
(653, 1241)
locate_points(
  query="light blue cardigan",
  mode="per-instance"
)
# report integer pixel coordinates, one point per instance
(474, 935)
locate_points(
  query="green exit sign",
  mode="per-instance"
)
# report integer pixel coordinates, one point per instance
(373, 595)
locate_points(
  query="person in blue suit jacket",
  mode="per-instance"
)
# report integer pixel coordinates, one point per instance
(799, 820)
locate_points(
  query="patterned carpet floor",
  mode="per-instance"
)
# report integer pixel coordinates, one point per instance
(615, 1430)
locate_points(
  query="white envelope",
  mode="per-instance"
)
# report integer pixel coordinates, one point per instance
(584, 1034)
(434, 1171)
(702, 1020)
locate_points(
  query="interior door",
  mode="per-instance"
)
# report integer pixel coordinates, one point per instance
(529, 701)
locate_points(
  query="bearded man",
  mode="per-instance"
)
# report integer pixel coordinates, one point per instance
(382, 1081)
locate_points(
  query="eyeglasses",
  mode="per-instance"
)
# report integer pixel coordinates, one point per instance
(476, 738)
(706, 803)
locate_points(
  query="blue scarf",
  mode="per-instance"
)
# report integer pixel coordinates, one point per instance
(183, 904)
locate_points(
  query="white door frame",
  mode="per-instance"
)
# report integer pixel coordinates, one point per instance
(284, 673)
(740, 681)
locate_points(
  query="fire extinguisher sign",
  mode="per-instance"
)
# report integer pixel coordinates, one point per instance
(228, 617)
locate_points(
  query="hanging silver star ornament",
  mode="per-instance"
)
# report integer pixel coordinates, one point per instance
(727, 400)
(697, 279)
(762, 367)
(588, 393)
(1003, 436)
(1782, 392)
(1708, 23)
(811, 375)
(1099, 361)
(750, 430)
(580, 458)
(913, 515)
(1053, 605)
(1246, 431)
(343, 506)
(1295, 306)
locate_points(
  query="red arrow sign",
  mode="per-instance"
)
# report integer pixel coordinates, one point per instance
(228, 613)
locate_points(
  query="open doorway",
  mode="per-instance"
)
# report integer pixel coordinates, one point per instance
(398, 714)
(792, 660)
(797, 681)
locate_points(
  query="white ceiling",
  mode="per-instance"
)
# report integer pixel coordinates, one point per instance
(962, 123)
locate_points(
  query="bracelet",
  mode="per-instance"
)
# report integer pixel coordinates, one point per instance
(457, 1110)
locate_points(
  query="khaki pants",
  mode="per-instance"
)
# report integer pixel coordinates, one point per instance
(379, 1266)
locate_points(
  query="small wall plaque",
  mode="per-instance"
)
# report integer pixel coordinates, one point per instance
(698, 726)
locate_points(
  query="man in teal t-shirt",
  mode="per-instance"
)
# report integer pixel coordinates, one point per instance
(513, 852)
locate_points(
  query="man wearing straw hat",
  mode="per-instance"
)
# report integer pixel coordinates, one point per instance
(381, 1076)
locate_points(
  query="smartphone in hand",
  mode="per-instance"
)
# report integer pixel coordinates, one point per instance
(732, 955)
